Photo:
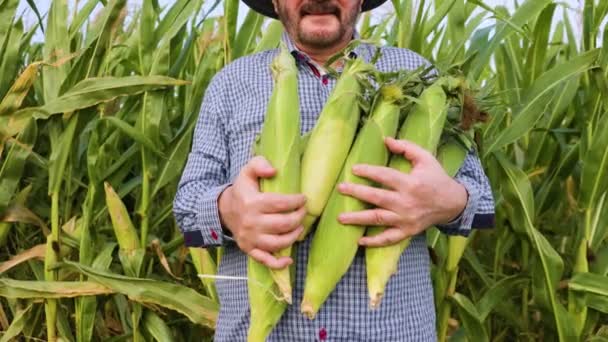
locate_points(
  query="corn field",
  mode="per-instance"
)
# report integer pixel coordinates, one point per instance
(96, 123)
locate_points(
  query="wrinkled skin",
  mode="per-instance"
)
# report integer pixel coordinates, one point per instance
(319, 27)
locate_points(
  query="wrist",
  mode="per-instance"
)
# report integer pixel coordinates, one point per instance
(223, 205)
(460, 197)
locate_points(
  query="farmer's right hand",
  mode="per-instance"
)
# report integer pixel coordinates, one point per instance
(261, 223)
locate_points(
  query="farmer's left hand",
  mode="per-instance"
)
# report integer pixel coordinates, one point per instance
(406, 204)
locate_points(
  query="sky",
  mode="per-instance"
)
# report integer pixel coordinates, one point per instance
(43, 5)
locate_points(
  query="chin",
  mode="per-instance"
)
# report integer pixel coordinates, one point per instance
(322, 37)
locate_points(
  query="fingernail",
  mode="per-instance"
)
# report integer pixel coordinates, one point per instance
(342, 187)
(356, 168)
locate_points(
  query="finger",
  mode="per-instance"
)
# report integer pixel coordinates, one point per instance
(370, 217)
(258, 167)
(282, 223)
(380, 197)
(388, 237)
(279, 203)
(269, 260)
(274, 243)
(386, 176)
(412, 152)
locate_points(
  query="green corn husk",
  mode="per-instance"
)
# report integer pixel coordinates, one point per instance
(330, 140)
(205, 264)
(279, 143)
(125, 232)
(334, 245)
(423, 126)
(451, 155)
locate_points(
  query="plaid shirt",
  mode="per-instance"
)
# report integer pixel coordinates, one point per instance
(232, 114)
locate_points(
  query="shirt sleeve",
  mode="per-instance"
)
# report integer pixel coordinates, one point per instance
(479, 210)
(206, 174)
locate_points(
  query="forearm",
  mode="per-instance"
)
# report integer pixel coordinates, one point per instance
(479, 209)
(197, 213)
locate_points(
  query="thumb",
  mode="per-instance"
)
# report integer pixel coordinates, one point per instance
(412, 152)
(259, 167)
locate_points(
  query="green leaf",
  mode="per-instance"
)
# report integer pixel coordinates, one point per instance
(248, 31)
(472, 321)
(11, 57)
(600, 265)
(59, 155)
(17, 325)
(197, 308)
(590, 283)
(541, 140)
(32, 289)
(439, 15)
(56, 47)
(157, 327)
(160, 60)
(175, 161)
(538, 98)
(271, 36)
(19, 90)
(597, 302)
(523, 14)
(147, 37)
(518, 194)
(13, 165)
(7, 14)
(87, 93)
(231, 12)
(538, 49)
(594, 178)
(81, 17)
(132, 133)
(497, 294)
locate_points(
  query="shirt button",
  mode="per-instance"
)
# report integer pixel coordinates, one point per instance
(322, 334)
(214, 235)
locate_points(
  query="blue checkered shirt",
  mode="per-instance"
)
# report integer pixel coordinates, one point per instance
(232, 114)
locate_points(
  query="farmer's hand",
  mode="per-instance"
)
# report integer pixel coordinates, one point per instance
(407, 204)
(261, 223)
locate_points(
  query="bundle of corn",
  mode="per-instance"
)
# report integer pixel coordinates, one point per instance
(423, 126)
(336, 127)
(334, 245)
(279, 143)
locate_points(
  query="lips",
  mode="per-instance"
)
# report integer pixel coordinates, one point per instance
(319, 9)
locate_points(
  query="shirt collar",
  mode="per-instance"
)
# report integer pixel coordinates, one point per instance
(302, 57)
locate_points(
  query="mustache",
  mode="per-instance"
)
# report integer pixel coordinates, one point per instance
(319, 7)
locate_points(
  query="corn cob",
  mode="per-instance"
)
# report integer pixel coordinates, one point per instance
(335, 128)
(126, 235)
(334, 245)
(265, 302)
(279, 143)
(451, 155)
(422, 126)
(204, 263)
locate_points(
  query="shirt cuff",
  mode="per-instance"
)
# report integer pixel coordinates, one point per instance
(462, 224)
(210, 232)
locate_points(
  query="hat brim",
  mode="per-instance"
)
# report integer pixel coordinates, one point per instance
(266, 8)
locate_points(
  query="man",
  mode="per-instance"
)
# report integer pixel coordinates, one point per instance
(218, 202)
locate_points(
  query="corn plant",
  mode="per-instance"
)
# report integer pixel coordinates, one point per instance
(96, 122)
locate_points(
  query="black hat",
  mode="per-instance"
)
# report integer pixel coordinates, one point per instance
(266, 8)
